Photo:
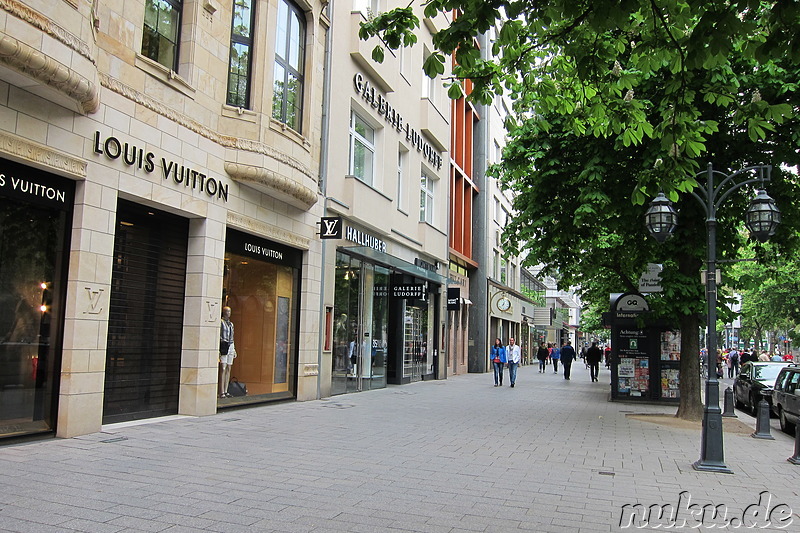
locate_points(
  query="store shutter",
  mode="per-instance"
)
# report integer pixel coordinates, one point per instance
(145, 328)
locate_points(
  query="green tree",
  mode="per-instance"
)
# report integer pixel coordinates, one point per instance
(614, 101)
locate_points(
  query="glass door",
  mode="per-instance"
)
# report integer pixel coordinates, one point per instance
(361, 320)
(415, 342)
(347, 332)
(379, 331)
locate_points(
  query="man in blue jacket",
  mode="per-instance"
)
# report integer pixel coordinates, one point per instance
(567, 356)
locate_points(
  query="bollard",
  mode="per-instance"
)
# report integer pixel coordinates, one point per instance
(728, 403)
(762, 421)
(795, 459)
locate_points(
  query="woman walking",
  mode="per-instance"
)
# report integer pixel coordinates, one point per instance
(541, 355)
(498, 356)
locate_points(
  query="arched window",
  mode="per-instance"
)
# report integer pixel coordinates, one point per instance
(287, 99)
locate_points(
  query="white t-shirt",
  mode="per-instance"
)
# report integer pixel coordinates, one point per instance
(514, 353)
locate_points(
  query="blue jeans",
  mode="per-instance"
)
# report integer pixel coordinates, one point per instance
(512, 372)
(498, 373)
(542, 363)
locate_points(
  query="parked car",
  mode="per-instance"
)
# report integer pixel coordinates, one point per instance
(786, 397)
(755, 378)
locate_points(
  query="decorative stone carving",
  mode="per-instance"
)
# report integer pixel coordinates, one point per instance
(36, 19)
(266, 181)
(227, 141)
(310, 369)
(42, 68)
(267, 230)
(43, 155)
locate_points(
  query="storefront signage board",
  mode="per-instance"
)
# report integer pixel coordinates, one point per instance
(34, 186)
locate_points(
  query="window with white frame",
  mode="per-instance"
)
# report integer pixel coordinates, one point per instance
(401, 163)
(362, 149)
(429, 85)
(162, 21)
(368, 8)
(405, 57)
(426, 199)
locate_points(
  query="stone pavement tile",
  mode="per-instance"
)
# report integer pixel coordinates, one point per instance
(31, 513)
(24, 526)
(90, 526)
(140, 524)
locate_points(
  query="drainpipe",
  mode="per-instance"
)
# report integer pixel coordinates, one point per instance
(323, 188)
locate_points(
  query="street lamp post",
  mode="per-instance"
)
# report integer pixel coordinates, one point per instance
(762, 218)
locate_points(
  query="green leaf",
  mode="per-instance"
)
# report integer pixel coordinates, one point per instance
(377, 54)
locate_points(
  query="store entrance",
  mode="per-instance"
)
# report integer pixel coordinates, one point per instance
(415, 342)
(361, 311)
(145, 327)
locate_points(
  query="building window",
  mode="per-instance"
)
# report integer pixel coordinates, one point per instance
(287, 100)
(369, 8)
(162, 19)
(362, 149)
(426, 199)
(401, 157)
(503, 277)
(240, 66)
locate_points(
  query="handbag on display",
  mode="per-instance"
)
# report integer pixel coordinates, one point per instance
(224, 346)
(236, 388)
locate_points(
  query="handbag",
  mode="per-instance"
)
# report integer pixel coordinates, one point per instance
(224, 346)
(236, 388)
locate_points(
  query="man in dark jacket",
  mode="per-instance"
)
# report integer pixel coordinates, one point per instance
(567, 356)
(593, 357)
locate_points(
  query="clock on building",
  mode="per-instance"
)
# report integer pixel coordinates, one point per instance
(504, 304)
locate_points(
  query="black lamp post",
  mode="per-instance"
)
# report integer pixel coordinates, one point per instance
(762, 218)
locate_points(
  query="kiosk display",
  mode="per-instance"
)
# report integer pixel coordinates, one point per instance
(670, 363)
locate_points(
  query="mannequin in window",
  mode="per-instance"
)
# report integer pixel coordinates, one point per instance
(226, 359)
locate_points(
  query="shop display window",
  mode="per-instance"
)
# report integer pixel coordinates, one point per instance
(32, 243)
(263, 298)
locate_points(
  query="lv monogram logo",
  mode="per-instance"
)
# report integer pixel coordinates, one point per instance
(94, 307)
(213, 315)
(330, 228)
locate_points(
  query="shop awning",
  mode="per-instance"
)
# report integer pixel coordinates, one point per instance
(395, 262)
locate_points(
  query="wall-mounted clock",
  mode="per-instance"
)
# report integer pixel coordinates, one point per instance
(504, 304)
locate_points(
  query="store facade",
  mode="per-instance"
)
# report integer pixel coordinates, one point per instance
(387, 193)
(384, 317)
(135, 204)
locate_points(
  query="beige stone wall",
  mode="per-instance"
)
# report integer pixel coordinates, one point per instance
(93, 78)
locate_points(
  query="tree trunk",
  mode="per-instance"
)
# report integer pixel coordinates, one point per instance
(691, 406)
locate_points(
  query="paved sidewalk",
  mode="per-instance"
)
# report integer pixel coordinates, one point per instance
(456, 455)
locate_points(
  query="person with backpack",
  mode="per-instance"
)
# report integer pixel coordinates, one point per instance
(593, 356)
(733, 367)
(567, 356)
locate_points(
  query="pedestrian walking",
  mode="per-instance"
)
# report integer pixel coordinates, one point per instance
(555, 356)
(567, 356)
(607, 355)
(593, 356)
(541, 355)
(497, 354)
(514, 355)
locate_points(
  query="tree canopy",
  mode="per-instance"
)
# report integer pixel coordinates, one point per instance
(614, 102)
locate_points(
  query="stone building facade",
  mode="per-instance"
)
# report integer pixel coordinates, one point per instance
(159, 160)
